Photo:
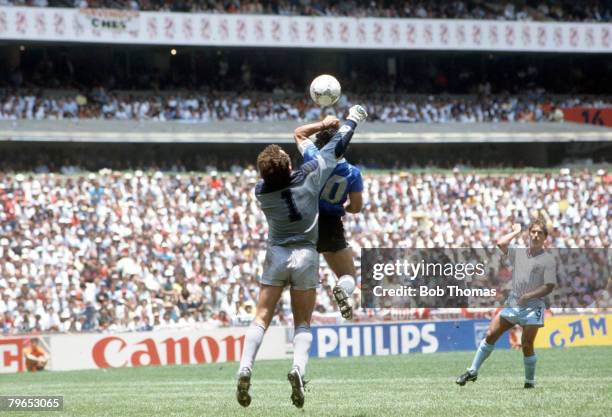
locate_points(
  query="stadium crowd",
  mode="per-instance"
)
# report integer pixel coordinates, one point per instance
(562, 10)
(121, 251)
(217, 106)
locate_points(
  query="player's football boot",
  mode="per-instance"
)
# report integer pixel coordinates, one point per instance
(344, 302)
(465, 377)
(242, 390)
(297, 387)
(529, 385)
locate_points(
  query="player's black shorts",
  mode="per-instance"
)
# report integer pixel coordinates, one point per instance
(331, 234)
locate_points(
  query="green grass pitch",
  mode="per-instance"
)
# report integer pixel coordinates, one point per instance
(571, 382)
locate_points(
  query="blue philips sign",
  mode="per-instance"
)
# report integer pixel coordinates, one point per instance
(399, 338)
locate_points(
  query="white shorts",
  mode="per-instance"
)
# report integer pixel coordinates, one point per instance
(524, 316)
(297, 266)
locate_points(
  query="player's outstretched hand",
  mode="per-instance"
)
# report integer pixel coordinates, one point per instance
(357, 114)
(331, 122)
(516, 228)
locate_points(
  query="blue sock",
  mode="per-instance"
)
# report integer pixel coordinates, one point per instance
(483, 352)
(530, 365)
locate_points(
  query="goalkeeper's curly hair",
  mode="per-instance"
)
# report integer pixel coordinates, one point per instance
(274, 166)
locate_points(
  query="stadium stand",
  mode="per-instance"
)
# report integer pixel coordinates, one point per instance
(257, 107)
(122, 251)
(94, 70)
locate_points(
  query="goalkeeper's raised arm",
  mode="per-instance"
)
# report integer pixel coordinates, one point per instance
(302, 134)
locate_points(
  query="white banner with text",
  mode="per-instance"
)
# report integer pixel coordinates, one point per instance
(164, 347)
(119, 26)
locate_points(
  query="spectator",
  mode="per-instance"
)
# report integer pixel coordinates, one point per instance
(36, 357)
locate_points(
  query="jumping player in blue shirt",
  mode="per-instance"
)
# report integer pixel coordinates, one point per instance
(344, 184)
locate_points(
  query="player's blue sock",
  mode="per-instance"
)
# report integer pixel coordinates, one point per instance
(252, 341)
(302, 340)
(530, 365)
(348, 283)
(483, 352)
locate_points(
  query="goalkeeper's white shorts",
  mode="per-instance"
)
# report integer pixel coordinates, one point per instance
(296, 266)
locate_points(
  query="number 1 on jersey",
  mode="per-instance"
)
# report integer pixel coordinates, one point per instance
(294, 214)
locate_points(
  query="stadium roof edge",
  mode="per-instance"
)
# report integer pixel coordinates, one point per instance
(105, 131)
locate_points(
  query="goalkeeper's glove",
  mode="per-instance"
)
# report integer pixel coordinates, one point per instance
(357, 114)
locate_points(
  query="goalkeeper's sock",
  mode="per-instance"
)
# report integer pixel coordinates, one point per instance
(347, 282)
(302, 340)
(483, 352)
(530, 367)
(252, 341)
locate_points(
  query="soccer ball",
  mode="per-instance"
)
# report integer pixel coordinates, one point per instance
(325, 90)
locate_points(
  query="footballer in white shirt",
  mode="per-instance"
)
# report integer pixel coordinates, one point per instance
(533, 278)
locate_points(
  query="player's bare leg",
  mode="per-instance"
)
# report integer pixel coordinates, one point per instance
(497, 328)
(529, 356)
(302, 304)
(341, 263)
(266, 304)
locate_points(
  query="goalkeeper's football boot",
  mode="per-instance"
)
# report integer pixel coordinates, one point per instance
(529, 385)
(465, 377)
(344, 302)
(297, 387)
(242, 389)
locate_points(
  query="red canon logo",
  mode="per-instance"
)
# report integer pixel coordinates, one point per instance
(11, 355)
(114, 351)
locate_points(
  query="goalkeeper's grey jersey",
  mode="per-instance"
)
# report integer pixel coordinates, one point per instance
(293, 212)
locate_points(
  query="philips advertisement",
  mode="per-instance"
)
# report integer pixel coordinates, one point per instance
(399, 338)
